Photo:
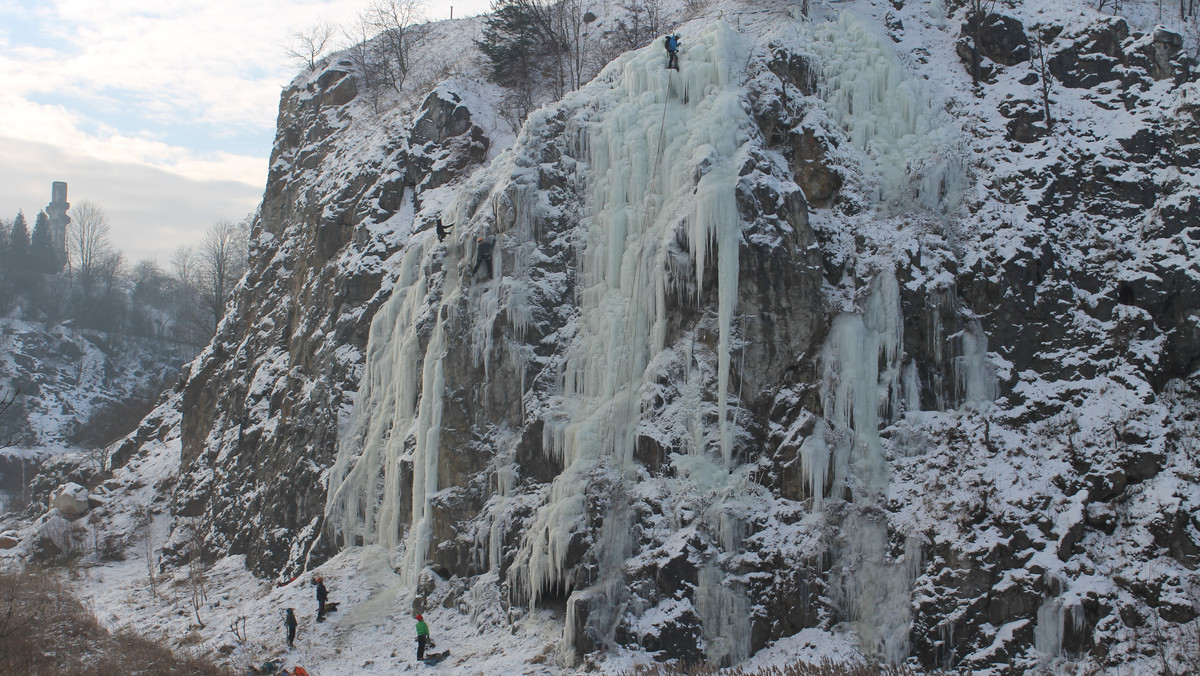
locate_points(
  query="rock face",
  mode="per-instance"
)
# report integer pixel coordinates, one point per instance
(750, 360)
(261, 405)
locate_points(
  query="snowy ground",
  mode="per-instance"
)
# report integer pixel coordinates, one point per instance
(372, 632)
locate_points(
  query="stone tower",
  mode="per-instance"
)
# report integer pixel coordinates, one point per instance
(57, 211)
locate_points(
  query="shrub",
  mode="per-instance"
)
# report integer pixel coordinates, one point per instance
(46, 630)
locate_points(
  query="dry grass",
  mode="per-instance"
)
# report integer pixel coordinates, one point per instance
(44, 631)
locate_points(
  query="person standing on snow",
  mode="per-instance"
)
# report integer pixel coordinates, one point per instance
(289, 621)
(422, 637)
(322, 597)
(671, 42)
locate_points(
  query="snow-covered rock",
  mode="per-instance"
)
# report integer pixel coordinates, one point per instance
(815, 336)
(71, 500)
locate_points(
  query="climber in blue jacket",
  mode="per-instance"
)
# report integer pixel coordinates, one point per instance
(671, 42)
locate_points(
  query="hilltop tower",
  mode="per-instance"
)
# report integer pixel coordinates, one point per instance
(57, 211)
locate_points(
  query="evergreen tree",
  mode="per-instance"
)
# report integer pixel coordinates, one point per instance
(42, 257)
(516, 34)
(18, 243)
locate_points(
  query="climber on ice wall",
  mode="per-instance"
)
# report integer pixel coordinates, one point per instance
(671, 42)
(483, 254)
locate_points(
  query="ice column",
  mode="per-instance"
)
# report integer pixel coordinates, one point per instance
(1052, 617)
(860, 386)
(975, 376)
(396, 420)
(861, 366)
(873, 591)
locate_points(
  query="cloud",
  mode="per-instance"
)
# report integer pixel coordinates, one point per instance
(110, 78)
(152, 211)
(161, 112)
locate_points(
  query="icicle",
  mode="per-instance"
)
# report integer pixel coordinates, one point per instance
(974, 375)
(814, 465)
(912, 141)
(400, 399)
(1050, 630)
(860, 378)
(912, 387)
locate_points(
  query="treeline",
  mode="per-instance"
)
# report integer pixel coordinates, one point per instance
(30, 252)
(93, 286)
(538, 49)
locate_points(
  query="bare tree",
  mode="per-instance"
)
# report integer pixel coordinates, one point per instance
(308, 45)
(1037, 50)
(238, 627)
(7, 399)
(192, 326)
(183, 265)
(368, 63)
(144, 522)
(978, 11)
(195, 550)
(399, 34)
(110, 269)
(568, 22)
(221, 261)
(88, 244)
(99, 455)
(643, 21)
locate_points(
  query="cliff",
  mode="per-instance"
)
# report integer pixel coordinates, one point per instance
(876, 321)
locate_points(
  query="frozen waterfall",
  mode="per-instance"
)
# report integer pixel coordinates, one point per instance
(400, 398)
(660, 153)
(911, 144)
(664, 168)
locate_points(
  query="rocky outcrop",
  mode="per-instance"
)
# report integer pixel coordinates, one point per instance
(261, 405)
(71, 501)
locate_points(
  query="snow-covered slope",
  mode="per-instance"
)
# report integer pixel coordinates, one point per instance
(830, 343)
(75, 391)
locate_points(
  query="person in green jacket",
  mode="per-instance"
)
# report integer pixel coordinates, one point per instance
(422, 637)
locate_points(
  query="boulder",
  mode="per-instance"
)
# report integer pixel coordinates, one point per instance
(56, 539)
(1159, 54)
(1027, 120)
(444, 116)
(337, 88)
(8, 542)
(71, 500)
(1001, 38)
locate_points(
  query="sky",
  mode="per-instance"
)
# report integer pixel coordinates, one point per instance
(162, 113)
